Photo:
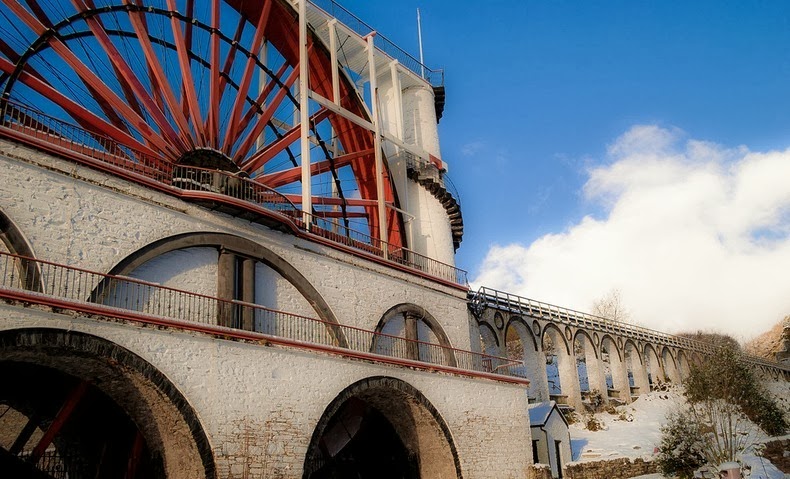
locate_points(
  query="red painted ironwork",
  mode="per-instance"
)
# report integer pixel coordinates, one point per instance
(213, 187)
(121, 297)
(56, 425)
(166, 80)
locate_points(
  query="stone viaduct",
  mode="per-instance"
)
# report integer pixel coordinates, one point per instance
(227, 251)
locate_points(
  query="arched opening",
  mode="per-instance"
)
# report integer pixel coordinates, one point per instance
(683, 365)
(28, 274)
(521, 345)
(671, 368)
(231, 268)
(561, 373)
(488, 340)
(408, 331)
(655, 374)
(615, 370)
(381, 427)
(592, 383)
(638, 381)
(81, 405)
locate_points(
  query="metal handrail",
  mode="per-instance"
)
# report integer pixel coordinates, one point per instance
(334, 9)
(112, 293)
(489, 297)
(339, 233)
(32, 123)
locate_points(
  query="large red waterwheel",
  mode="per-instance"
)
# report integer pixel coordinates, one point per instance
(207, 84)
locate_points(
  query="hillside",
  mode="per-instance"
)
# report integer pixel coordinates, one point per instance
(634, 432)
(768, 343)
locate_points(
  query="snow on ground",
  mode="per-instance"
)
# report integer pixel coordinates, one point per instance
(636, 432)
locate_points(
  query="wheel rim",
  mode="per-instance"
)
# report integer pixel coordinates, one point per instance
(207, 84)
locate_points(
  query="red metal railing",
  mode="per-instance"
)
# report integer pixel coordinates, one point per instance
(85, 290)
(26, 124)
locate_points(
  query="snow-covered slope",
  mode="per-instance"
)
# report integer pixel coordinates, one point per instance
(635, 431)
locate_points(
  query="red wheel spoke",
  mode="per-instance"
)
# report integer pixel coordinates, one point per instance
(231, 56)
(152, 80)
(57, 424)
(291, 175)
(78, 112)
(12, 55)
(39, 13)
(261, 100)
(106, 108)
(128, 77)
(332, 201)
(127, 92)
(262, 120)
(190, 12)
(141, 28)
(244, 85)
(260, 158)
(103, 92)
(212, 127)
(188, 84)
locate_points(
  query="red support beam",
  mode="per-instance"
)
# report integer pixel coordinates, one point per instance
(102, 90)
(261, 121)
(187, 82)
(83, 116)
(246, 78)
(261, 100)
(328, 200)
(141, 28)
(291, 175)
(60, 419)
(212, 120)
(270, 151)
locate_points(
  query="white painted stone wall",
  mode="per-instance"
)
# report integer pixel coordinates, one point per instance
(77, 216)
(273, 397)
(275, 292)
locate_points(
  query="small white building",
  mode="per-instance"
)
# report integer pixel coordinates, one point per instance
(551, 441)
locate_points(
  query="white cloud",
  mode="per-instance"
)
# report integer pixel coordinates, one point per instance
(695, 236)
(472, 148)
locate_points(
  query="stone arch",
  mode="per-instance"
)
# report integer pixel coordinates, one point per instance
(16, 243)
(608, 339)
(638, 380)
(581, 332)
(634, 348)
(670, 365)
(413, 317)
(616, 369)
(561, 370)
(174, 440)
(519, 332)
(652, 364)
(238, 244)
(558, 334)
(489, 341)
(683, 365)
(428, 445)
(526, 332)
(589, 368)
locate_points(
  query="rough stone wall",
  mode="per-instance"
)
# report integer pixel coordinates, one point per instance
(614, 469)
(539, 471)
(259, 405)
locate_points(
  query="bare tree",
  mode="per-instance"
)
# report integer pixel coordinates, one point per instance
(610, 306)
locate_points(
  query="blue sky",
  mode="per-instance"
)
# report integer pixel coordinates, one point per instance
(548, 101)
